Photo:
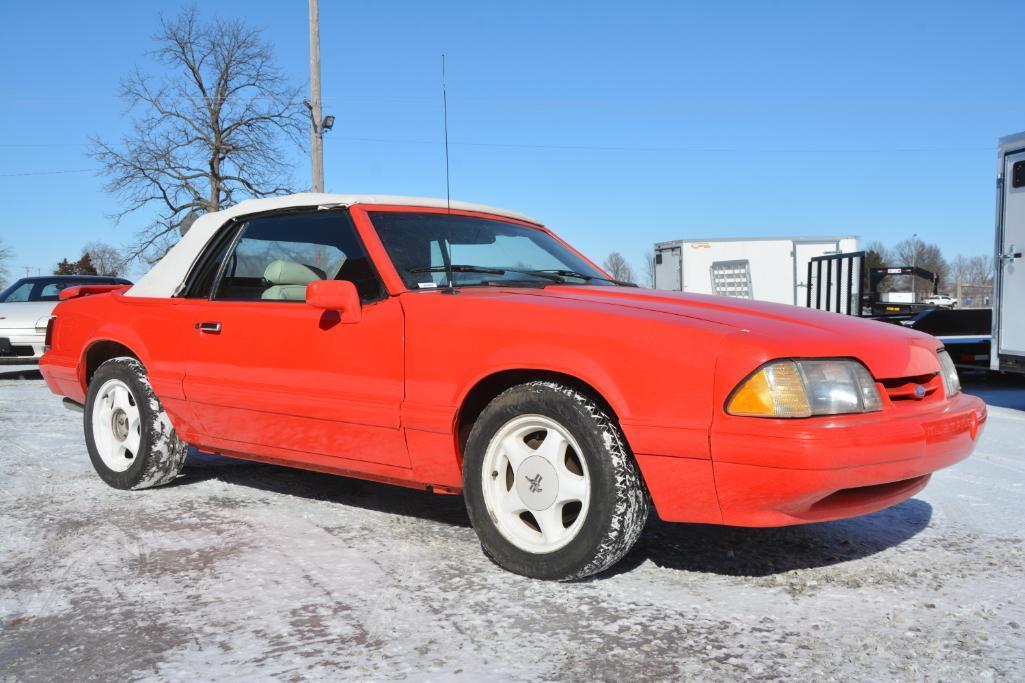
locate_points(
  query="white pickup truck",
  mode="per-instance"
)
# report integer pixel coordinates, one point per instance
(940, 300)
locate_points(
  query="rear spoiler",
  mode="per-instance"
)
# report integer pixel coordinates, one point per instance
(86, 290)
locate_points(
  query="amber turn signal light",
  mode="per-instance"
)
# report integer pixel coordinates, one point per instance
(774, 391)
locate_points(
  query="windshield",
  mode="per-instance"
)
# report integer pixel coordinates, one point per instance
(49, 288)
(425, 246)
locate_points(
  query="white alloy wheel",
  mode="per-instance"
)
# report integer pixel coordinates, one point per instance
(536, 484)
(550, 485)
(116, 425)
(132, 443)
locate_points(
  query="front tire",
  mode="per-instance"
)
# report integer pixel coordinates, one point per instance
(131, 442)
(550, 486)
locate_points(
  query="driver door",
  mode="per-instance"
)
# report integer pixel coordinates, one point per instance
(270, 375)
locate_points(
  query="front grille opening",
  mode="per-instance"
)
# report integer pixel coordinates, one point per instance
(906, 388)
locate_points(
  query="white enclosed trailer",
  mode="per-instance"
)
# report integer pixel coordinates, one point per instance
(1008, 345)
(767, 268)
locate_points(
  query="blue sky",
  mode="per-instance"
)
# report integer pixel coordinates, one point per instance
(618, 124)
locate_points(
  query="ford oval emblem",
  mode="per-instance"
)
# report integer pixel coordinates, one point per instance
(919, 391)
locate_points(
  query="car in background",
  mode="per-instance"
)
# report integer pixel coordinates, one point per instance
(941, 300)
(25, 309)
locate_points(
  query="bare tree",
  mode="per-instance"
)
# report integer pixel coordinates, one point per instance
(959, 268)
(876, 251)
(107, 260)
(876, 256)
(616, 266)
(649, 269)
(980, 270)
(915, 252)
(6, 254)
(975, 270)
(208, 133)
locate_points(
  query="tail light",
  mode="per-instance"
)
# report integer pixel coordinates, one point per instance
(48, 340)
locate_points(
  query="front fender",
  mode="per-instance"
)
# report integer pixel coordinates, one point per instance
(655, 371)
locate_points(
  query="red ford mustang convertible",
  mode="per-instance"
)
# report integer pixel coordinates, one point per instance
(468, 349)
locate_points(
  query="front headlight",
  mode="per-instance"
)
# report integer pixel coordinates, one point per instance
(802, 388)
(951, 382)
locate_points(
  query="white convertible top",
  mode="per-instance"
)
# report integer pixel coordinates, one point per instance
(166, 277)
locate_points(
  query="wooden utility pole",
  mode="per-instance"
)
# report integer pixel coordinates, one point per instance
(316, 132)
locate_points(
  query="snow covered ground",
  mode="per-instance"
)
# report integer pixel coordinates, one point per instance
(258, 572)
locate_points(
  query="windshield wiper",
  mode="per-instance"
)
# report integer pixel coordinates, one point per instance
(461, 268)
(584, 276)
(458, 269)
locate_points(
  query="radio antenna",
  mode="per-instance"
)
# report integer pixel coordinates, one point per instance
(444, 102)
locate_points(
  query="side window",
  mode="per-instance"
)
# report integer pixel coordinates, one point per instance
(21, 293)
(51, 291)
(210, 265)
(275, 258)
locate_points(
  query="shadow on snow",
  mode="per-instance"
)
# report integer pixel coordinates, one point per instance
(728, 551)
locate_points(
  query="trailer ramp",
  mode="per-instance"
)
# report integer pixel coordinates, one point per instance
(835, 281)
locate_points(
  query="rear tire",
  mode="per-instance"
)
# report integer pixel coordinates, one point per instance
(131, 442)
(550, 485)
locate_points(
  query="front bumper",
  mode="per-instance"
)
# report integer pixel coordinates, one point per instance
(780, 472)
(22, 347)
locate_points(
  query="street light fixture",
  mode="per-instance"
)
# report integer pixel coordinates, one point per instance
(326, 124)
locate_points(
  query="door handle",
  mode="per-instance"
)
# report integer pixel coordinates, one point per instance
(1011, 254)
(209, 328)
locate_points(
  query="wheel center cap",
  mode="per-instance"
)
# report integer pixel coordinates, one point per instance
(119, 424)
(537, 483)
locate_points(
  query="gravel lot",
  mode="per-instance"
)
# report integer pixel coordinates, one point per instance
(259, 572)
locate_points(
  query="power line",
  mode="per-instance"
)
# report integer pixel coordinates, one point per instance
(603, 148)
(609, 148)
(542, 103)
(713, 150)
(28, 173)
(44, 144)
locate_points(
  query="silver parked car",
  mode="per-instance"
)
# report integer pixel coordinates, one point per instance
(25, 309)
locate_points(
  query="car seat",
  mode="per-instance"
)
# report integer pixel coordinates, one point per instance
(288, 280)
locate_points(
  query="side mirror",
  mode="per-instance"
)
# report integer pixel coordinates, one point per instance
(336, 295)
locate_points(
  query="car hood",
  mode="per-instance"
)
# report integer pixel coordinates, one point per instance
(24, 314)
(782, 330)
